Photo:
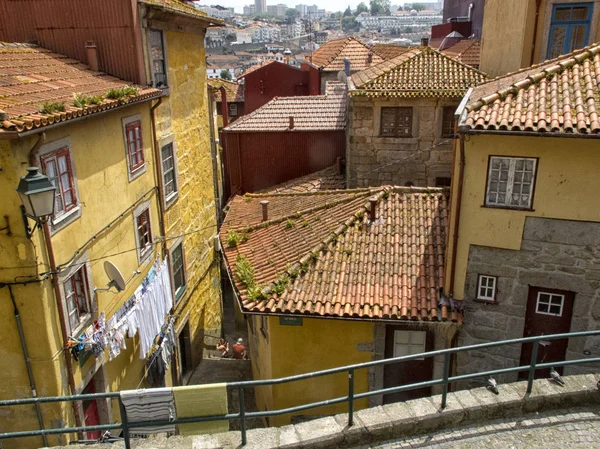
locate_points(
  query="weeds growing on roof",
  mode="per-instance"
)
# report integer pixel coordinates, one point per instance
(52, 107)
(235, 238)
(245, 272)
(82, 100)
(120, 93)
(289, 224)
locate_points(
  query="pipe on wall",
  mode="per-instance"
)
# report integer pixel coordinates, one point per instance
(456, 227)
(538, 5)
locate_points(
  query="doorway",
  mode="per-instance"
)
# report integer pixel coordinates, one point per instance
(185, 352)
(549, 311)
(91, 415)
(400, 342)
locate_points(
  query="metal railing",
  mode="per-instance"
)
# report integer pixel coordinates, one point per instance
(242, 415)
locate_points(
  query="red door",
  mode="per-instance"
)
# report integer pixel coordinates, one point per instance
(549, 311)
(90, 412)
(400, 342)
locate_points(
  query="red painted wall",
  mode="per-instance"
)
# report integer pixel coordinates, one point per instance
(275, 80)
(256, 161)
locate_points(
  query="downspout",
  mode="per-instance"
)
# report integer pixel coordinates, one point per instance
(157, 172)
(61, 316)
(214, 154)
(538, 4)
(36, 147)
(224, 109)
(32, 385)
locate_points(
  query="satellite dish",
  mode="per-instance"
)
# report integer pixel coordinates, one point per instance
(115, 276)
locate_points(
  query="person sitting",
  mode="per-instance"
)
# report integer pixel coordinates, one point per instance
(223, 346)
(239, 350)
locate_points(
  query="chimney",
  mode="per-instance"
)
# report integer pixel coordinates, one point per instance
(265, 210)
(424, 42)
(370, 58)
(92, 55)
(373, 210)
(291, 122)
(347, 66)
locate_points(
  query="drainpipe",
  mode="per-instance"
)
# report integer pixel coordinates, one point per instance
(538, 4)
(224, 109)
(214, 155)
(77, 406)
(38, 409)
(461, 174)
(159, 178)
(34, 150)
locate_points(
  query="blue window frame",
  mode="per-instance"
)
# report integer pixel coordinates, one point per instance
(570, 28)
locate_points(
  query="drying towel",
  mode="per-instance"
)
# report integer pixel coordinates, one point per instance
(149, 405)
(201, 400)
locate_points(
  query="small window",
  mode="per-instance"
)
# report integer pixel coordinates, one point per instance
(168, 171)
(443, 182)
(396, 122)
(178, 270)
(448, 121)
(157, 59)
(569, 29)
(409, 342)
(510, 182)
(77, 299)
(233, 109)
(144, 233)
(57, 166)
(486, 288)
(135, 147)
(549, 304)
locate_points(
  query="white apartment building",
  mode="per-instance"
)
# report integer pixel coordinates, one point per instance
(249, 10)
(399, 21)
(266, 34)
(220, 13)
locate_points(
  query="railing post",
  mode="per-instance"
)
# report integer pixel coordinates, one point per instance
(446, 375)
(534, 354)
(124, 423)
(350, 397)
(242, 415)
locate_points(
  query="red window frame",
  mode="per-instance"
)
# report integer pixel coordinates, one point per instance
(79, 296)
(61, 190)
(135, 146)
(144, 232)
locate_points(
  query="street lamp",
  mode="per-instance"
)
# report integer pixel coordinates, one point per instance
(37, 195)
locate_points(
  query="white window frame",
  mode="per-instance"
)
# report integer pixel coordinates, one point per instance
(143, 255)
(510, 182)
(487, 278)
(549, 303)
(178, 293)
(169, 200)
(137, 172)
(410, 345)
(59, 222)
(81, 263)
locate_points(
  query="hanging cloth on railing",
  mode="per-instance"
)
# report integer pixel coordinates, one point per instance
(156, 404)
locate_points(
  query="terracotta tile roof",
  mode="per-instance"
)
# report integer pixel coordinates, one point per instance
(310, 113)
(235, 91)
(320, 254)
(420, 72)
(31, 76)
(467, 51)
(326, 179)
(330, 56)
(181, 8)
(560, 96)
(389, 51)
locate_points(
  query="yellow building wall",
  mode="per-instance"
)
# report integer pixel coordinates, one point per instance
(566, 187)
(184, 115)
(98, 152)
(260, 358)
(316, 345)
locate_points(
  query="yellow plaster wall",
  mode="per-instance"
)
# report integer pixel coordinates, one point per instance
(98, 152)
(566, 187)
(260, 358)
(316, 345)
(184, 115)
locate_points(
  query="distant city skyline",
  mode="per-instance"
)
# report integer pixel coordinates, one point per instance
(329, 5)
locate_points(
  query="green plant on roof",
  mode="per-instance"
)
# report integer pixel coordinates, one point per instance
(82, 100)
(280, 284)
(304, 223)
(235, 238)
(289, 224)
(121, 92)
(245, 272)
(52, 107)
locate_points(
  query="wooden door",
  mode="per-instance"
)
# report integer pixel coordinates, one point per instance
(91, 416)
(549, 311)
(399, 342)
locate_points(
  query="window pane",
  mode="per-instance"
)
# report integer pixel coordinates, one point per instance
(577, 37)
(178, 269)
(580, 13)
(562, 14)
(557, 43)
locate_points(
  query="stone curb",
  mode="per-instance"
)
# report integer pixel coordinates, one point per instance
(405, 419)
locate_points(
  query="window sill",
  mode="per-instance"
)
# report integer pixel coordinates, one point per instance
(83, 323)
(146, 254)
(179, 293)
(523, 209)
(137, 172)
(65, 219)
(171, 199)
(486, 301)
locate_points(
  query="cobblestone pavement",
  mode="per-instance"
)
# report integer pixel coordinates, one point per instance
(561, 429)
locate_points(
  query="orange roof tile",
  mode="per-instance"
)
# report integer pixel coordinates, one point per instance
(235, 91)
(31, 76)
(320, 254)
(183, 9)
(310, 113)
(560, 96)
(467, 51)
(420, 72)
(330, 56)
(389, 51)
(326, 179)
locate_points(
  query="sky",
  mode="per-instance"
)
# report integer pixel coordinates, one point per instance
(329, 5)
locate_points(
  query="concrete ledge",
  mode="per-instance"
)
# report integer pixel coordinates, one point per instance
(411, 418)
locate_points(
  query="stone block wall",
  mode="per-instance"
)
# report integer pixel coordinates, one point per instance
(372, 160)
(556, 254)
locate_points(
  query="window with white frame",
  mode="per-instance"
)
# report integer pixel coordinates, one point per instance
(178, 267)
(143, 229)
(549, 304)
(135, 146)
(409, 342)
(486, 288)
(168, 171)
(77, 298)
(158, 58)
(57, 166)
(510, 182)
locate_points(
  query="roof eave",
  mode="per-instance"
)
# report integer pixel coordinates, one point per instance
(206, 20)
(464, 129)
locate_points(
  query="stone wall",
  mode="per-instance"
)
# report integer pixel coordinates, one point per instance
(370, 158)
(556, 254)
